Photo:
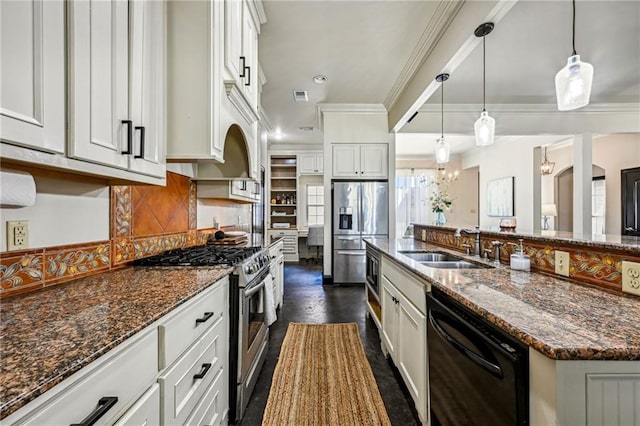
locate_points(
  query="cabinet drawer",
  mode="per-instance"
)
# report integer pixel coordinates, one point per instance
(211, 407)
(146, 410)
(412, 287)
(180, 386)
(193, 319)
(123, 375)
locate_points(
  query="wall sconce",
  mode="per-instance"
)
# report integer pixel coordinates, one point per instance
(546, 168)
(547, 211)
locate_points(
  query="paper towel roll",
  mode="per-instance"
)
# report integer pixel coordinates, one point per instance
(17, 189)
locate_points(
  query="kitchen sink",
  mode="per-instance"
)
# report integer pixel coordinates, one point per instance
(460, 264)
(431, 257)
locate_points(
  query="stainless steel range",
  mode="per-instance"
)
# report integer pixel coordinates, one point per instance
(249, 334)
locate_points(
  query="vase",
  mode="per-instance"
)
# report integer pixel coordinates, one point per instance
(440, 218)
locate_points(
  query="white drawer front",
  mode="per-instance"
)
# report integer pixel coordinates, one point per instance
(124, 375)
(146, 410)
(411, 286)
(210, 408)
(190, 321)
(179, 388)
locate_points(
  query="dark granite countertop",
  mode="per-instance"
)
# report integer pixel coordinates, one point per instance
(558, 318)
(607, 241)
(47, 335)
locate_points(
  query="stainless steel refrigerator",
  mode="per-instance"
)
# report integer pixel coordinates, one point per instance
(359, 210)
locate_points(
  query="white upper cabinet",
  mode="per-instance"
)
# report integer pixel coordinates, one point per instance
(101, 128)
(32, 78)
(117, 84)
(194, 85)
(147, 96)
(360, 160)
(310, 164)
(242, 27)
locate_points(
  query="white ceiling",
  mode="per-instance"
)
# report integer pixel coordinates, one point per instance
(363, 46)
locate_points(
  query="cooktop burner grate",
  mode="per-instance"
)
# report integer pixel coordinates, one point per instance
(200, 256)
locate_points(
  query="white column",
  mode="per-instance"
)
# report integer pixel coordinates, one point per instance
(537, 191)
(582, 177)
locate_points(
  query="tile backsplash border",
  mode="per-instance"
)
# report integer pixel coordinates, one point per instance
(589, 264)
(33, 269)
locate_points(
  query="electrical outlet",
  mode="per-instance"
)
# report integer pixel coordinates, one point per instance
(562, 263)
(17, 234)
(631, 277)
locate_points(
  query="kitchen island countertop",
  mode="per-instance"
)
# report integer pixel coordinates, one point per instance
(49, 334)
(560, 319)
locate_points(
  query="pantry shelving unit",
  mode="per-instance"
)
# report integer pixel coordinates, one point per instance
(283, 194)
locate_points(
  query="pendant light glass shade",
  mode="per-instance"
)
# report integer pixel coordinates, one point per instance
(485, 128)
(573, 84)
(442, 151)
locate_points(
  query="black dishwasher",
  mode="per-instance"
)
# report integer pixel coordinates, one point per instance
(478, 375)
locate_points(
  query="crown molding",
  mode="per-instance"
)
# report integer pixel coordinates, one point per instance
(264, 119)
(323, 108)
(444, 14)
(607, 108)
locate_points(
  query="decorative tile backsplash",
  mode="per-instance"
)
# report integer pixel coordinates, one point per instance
(590, 264)
(145, 220)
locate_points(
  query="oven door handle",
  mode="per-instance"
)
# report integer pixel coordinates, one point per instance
(253, 290)
(477, 359)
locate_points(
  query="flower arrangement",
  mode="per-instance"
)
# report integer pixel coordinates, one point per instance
(440, 200)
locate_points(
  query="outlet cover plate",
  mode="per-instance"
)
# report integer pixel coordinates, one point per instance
(562, 263)
(631, 277)
(17, 235)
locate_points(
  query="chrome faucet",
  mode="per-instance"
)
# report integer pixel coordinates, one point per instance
(476, 240)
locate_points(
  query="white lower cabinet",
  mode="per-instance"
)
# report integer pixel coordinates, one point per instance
(146, 410)
(130, 384)
(404, 331)
(289, 243)
(186, 380)
(107, 387)
(277, 270)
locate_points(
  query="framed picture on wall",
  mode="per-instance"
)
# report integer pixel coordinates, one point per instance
(500, 197)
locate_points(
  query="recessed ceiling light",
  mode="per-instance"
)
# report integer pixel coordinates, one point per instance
(320, 79)
(278, 135)
(306, 128)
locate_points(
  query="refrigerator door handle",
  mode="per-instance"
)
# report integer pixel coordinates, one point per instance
(348, 238)
(350, 253)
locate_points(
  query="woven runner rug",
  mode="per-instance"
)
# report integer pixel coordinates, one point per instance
(323, 378)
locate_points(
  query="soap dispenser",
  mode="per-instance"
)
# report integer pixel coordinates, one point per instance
(519, 260)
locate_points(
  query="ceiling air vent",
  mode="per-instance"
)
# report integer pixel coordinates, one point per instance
(306, 128)
(300, 96)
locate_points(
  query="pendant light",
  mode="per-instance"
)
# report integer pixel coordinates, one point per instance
(573, 82)
(546, 168)
(442, 146)
(485, 126)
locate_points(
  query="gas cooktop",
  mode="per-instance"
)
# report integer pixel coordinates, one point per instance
(206, 255)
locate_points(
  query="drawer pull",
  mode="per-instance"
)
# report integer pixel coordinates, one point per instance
(203, 372)
(205, 318)
(104, 404)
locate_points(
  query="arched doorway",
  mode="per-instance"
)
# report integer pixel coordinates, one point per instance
(564, 197)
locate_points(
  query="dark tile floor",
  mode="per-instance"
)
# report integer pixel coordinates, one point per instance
(306, 300)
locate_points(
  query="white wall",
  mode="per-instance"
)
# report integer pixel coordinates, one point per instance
(226, 213)
(354, 127)
(503, 160)
(68, 210)
(611, 152)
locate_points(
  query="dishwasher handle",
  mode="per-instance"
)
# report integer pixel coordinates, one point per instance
(477, 359)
